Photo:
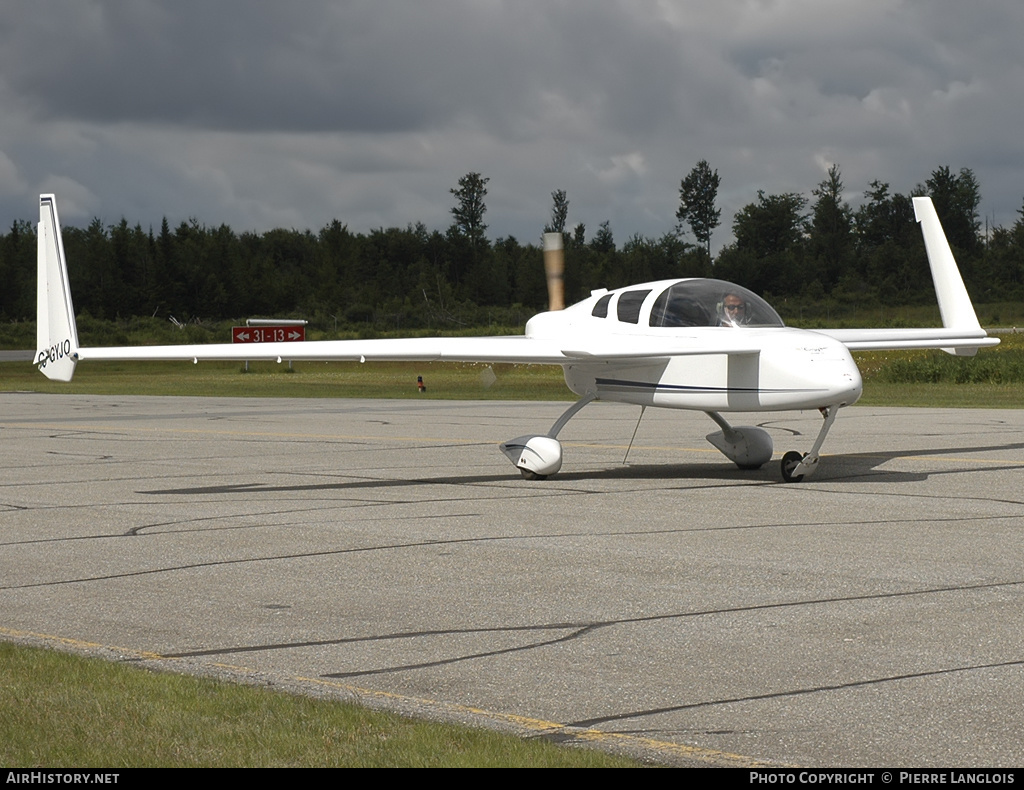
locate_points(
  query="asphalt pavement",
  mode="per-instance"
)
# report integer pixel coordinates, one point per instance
(669, 605)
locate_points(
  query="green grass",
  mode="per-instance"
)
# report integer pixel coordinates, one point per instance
(62, 710)
(992, 379)
(445, 380)
(830, 313)
(943, 395)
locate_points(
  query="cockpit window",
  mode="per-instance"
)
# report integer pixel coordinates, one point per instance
(629, 304)
(711, 303)
(601, 308)
(676, 308)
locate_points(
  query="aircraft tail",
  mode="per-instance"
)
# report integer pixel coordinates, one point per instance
(56, 333)
(954, 303)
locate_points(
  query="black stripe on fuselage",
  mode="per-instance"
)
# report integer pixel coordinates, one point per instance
(650, 386)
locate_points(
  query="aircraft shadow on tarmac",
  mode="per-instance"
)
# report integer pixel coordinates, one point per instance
(854, 467)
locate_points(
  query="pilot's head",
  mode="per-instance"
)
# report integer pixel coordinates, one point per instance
(734, 310)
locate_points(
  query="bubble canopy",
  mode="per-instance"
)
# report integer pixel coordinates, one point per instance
(711, 303)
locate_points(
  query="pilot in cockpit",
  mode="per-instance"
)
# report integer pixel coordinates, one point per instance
(732, 311)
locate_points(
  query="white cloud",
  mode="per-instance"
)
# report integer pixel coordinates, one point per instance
(623, 168)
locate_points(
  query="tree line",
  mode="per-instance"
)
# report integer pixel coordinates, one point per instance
(807, 250)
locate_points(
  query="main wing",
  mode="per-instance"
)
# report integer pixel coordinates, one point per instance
(961, 333)
(512, 348)
(58, 350)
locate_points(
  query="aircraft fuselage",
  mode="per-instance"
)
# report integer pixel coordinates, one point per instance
(697, 344)
(794, 369)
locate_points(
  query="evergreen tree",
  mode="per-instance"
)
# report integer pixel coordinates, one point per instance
(559, 212)
(18, 271)
(831, 231)
(470, 209)
(603, 240)
(956, 199)
(466, 237)
(697, 195)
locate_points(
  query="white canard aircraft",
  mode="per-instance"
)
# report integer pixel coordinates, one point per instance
(699, 344)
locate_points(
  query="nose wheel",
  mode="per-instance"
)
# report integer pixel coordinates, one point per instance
(796, 466)
(790, 462)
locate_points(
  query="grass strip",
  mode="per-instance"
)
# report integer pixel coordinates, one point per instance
(444, 380)
(59, 710)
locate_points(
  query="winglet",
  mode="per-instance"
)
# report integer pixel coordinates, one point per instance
(56, 333)
(954, 303)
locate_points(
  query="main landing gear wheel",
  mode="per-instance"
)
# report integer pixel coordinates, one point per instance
(790, 461)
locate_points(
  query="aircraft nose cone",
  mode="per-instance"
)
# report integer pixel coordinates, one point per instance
(824, 370)
(851, 386)
(847, 384)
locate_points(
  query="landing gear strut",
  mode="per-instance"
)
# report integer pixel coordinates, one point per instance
(795, 467)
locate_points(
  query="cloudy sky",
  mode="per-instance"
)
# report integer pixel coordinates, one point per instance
(261, 114)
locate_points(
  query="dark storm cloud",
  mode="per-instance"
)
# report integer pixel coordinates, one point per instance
(351, 66)
(264, 113)
(230, 66)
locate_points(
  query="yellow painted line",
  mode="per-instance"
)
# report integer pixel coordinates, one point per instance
(76, 644)
(612, 741)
